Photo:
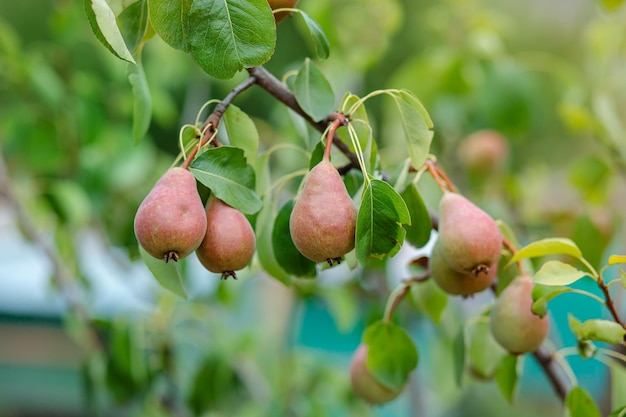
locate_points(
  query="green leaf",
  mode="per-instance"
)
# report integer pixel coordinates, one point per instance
(142, 101)
(417, 125)
(285, 252)
(227, 36)
(170, 20)
(320, 42)
(602, 331)
(391, 354)
(133, 24)
(225, 172)
(550, 246)
(507, 376)
(265, 248)
(616, 260)
(429, 298)
(242, 132)
(418, 232)
(361, 127)
(104, 26)
(618, 387)
(313, 91)
(459, 349)
(612, 5)
(619, 412)
(484, 353)
(379, 231)
(580, 404)
(557, 273)
(544, 293)
(167, 274)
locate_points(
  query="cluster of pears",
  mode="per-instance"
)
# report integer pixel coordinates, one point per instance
(323, 221)
(172, 222)
(364, 384)
(465, 256)
(512, 321)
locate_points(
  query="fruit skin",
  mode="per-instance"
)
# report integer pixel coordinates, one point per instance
(229, 243)
(469, 239)
(170, 222)
(323, 220)
(363, 383)
(280, 4)
(483, 152)
(513, 324)
(458, 283)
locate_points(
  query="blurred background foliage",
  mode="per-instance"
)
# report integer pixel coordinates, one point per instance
(548, 76)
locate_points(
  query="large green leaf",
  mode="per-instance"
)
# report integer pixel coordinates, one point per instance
(142, 101)
(382, 213)
(133, 24)
(507, 376)
(241, 131)
(104, 26)
(170, 19)
(225, 172)
(580, 404)
(285, 251)
(227, 36)
(167, 274)
(313, 91)
(418, 232)
(557, 273)
(417, 125)
(391, 354)
(484, 353)
(320, 42)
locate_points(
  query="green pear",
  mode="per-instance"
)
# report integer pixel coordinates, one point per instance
(469, 239)
(170, 222)
(513, 324)
(229, 242)
(363, 383)
(323, 220)
(458, 283)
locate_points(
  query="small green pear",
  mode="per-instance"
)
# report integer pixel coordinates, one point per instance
(229, 242)
(458, 283)
(170, 222)
(513, 324)
(469, 239)
(363, 383)
(323, 220)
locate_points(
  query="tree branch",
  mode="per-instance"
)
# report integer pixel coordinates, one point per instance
(549, 366)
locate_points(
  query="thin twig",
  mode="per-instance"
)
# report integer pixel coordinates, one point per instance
(609, 301)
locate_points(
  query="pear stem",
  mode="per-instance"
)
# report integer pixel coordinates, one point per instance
(338, 119)
(400, 292)
(440, 177)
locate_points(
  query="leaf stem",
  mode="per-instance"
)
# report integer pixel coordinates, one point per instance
(400, 292)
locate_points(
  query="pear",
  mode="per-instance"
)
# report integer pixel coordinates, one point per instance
(458, 283)
(469, 239)
(513, 324)
(323, 220)
(170, 222)
(229, 242)
(363, 383)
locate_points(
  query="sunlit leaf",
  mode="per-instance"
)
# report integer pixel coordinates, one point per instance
(617, 259)
(225, 172)
(549, 246)
(313, 91)
(602, 331)
(242, 132)
(391, 354)
(227, 36)
(507, 376)
(170, 19)
(544, 293)
(580, 404)
(557, 273)
(382, 213)
(285, 252)
(167, 274)
(104, 26)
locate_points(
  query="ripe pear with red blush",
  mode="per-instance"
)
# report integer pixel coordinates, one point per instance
(458, 283)
(513, 323)
(229, 242)
(170, 222)
(364, 384)
(323, 220)
(469, 239)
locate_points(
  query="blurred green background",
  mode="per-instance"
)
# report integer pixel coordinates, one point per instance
(547, 75)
